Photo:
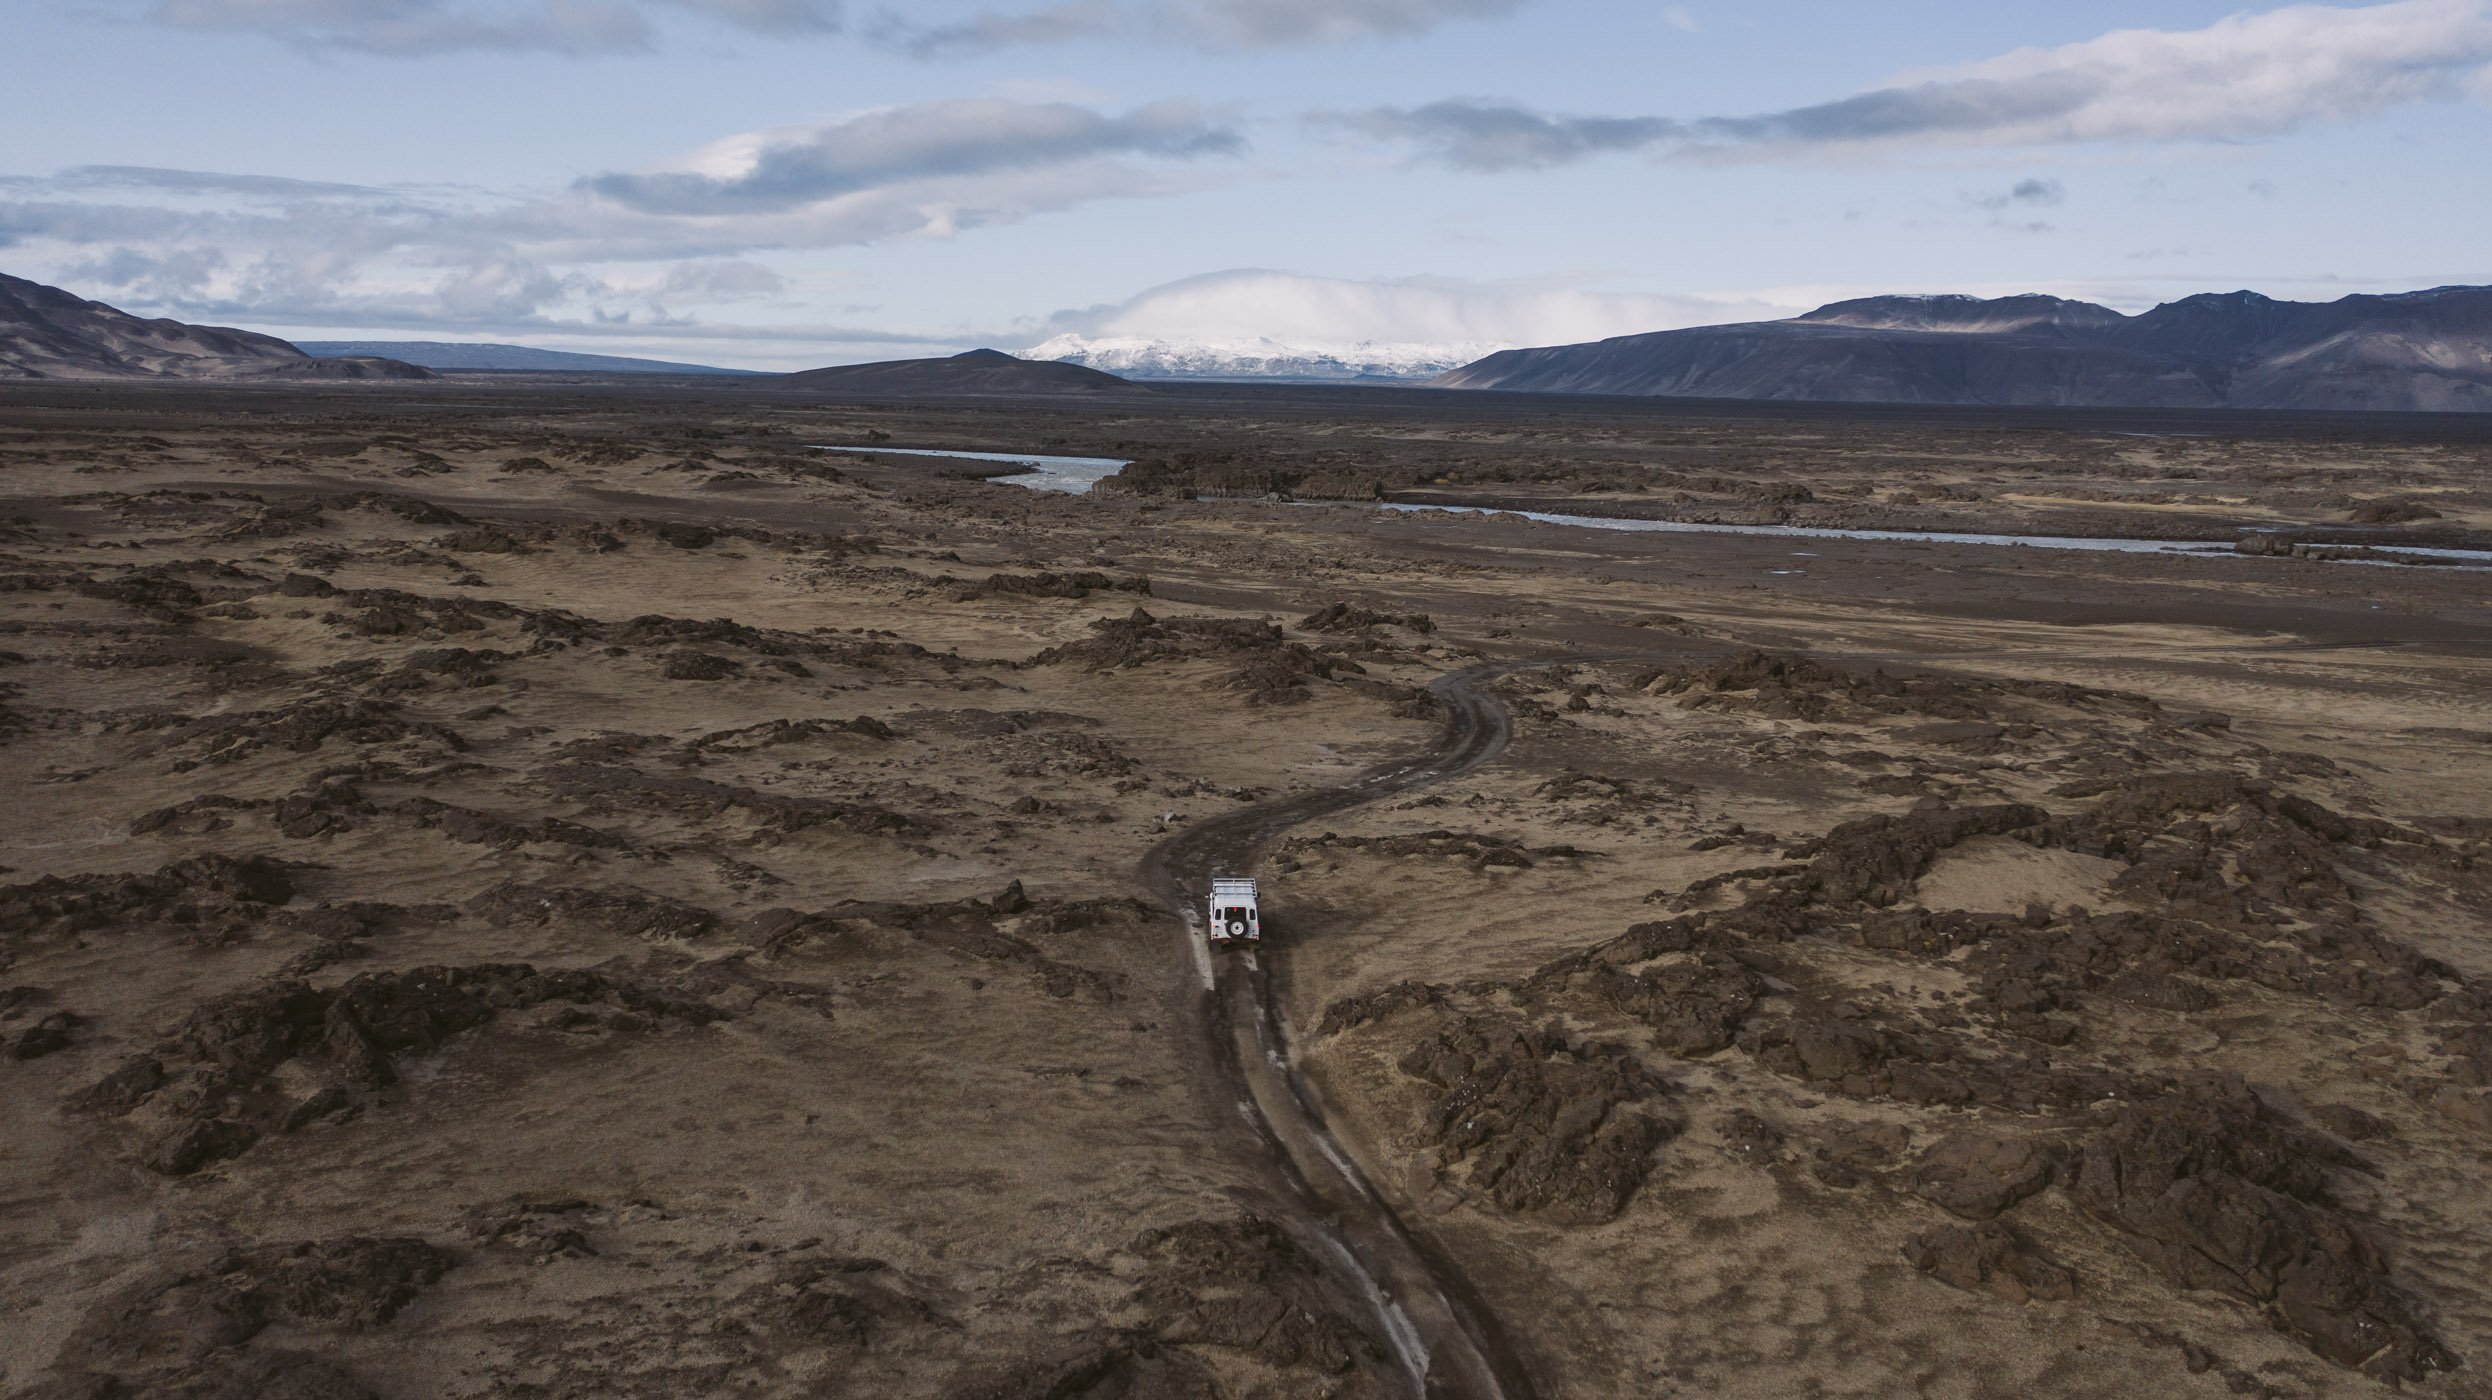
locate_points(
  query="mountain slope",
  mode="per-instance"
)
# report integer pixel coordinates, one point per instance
(46, 333)
(461, 355)
(2418, 351)
(979, 372)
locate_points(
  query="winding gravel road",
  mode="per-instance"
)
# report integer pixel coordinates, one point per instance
(1446, 1341)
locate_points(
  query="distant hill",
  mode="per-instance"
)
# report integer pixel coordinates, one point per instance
(451, 355)
(46, 333)
(979, 372)
(2415, 351)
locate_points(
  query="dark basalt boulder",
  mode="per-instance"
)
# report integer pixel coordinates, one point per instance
(1547, 1125)
(1977, 1175)
(2218, 1192)
(1992, 1257)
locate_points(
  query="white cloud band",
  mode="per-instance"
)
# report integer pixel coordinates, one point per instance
(2243, 78)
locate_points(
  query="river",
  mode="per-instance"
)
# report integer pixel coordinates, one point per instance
(1075, 475)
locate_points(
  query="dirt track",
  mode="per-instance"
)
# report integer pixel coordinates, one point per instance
(1443, 1335)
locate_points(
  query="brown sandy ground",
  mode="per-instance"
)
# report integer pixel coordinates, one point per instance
(567, 894)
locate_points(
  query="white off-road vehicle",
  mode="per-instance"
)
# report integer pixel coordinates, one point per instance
(1234, 918)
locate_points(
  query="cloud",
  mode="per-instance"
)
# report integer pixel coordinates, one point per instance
(732, 280)
(773, 16)
(1218, 25)
(780, 170)
(2243, 78)
(149, 177)
(659, 241)
(2029, 192)
(991, 30)
(1295, 314)
(177, 276)
(419, 28)
(1470, 134)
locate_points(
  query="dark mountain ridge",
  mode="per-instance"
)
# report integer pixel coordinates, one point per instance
(978, 372)
(2428, 351)
(47, 333)
(496, 357)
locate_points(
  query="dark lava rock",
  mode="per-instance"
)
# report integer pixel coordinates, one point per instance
(302, 726)
(42, 1038)
(148, 590)
(123, 1089)
(180, 1331)
(352, 1283)
(704, 798)
(2235, 853)
(1992, 1257)
(2218, 1192)
(1549, 1126)
(967, 927)
(1971, 735)
(1876, 859)
(1918, 1065)
(1794, 687)
(319, 811)
(1353, 1011)
(246, 1375)
(683, 535)
(541, 1228)
(1241, 1288)
(200, 890)
(1271, 670)
(1478, 850)
(2161, 991)
(1751, 1138)
(1342, 617)
(413, 509)
(482, 539)
(1080, 584)
(850, 1304)
(1977, 1175)
(790, 731)
(467, 668)
(1243, 1283)
(698, 666)
(618, 908)
(469, 826)
(1693, 1008)
(198, 1143)
(346, 1041)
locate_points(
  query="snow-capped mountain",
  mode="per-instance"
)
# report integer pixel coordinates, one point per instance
(1260, 358)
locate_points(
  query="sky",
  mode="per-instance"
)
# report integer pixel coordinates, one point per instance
(787, 183)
